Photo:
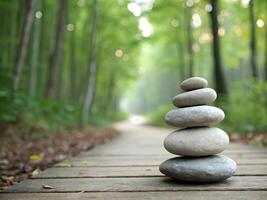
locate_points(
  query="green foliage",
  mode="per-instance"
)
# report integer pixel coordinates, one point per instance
(157, 117)
(102, 120)
(159, 62)
(246, 107)
(38, 114)
(39, 117)
(6, 111)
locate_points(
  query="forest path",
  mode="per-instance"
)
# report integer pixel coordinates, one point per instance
(127, 168)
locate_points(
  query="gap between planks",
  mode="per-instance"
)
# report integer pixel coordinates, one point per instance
(149, 171)
(235, 183)
(177, 195)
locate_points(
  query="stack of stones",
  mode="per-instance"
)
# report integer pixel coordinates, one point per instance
(197, 142)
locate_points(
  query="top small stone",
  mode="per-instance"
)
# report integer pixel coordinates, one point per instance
(193, 83)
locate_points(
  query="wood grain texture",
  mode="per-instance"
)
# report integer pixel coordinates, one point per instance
(140, 171)
(143, 150)
(166, 195)
(137, 184)
(127, 168)
(143, 161)
(232, 155)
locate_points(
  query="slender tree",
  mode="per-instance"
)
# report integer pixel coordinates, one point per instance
(265, 52)
(180, 51)
(73, 66)
(56, 57)
(190, 42)
(110, 92)
(253, 50)
(23, 44)
(90, 92)
(35, 52)
(219, 77)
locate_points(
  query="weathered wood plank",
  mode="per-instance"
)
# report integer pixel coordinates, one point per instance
(74, 172)
(234, 155)
(158, 143)
(159, 157)
(146, 142)
(124, 169)
(142, 161)
(137, 184)
(184, 195)
(154, 151)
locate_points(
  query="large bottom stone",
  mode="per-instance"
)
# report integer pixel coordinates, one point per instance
(203, 170)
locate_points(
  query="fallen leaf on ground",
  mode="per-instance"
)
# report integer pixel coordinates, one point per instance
(44, 186)
(63, 165)
(21, 154)
(85, 162)
(36, 157)
(35, 172)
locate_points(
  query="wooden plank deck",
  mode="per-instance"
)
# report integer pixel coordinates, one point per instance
(127, 168)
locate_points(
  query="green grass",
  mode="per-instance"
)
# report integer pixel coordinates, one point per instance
(245, 109)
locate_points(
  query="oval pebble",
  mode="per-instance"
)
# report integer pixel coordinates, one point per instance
(193, 83)
(203, 96)
(201, 141)
(194, 116)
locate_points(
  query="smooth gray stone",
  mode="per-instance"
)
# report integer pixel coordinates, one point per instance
(193, 83)
(202, 96)
(194, 116)
(203, 169)
(202, 141)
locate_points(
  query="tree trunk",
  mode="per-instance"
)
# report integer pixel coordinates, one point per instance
(73, 66)
(179, 38)
(253, 50)
(23, 44)
(55, 59)
(111, 92)
(190, 43)
(219, 77)
(35, 53)
(88, 100)
(265, 62)
(181, 63)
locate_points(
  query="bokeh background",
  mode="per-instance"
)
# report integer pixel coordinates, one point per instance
(86, 63)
